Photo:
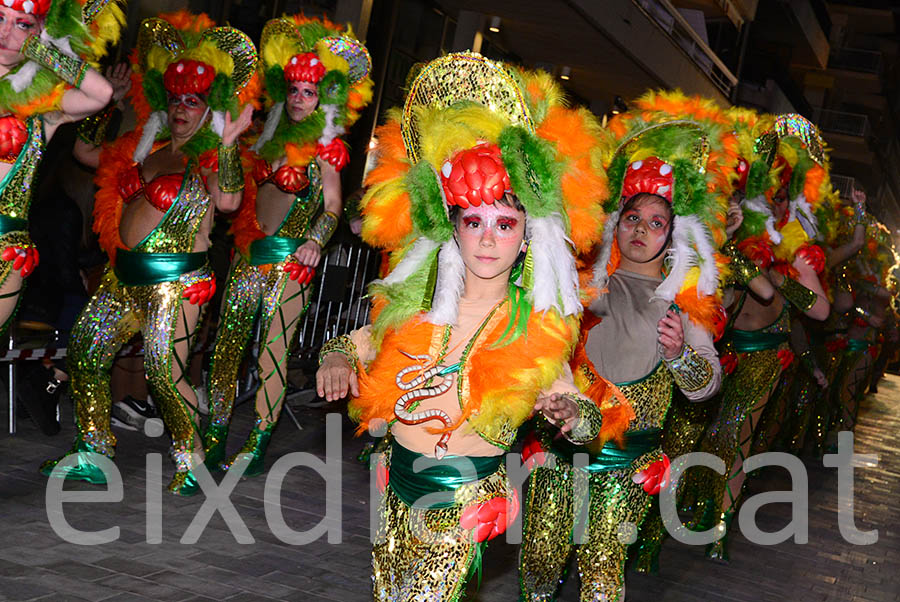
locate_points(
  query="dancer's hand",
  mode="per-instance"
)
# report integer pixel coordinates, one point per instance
(309, 253)
(119, 77)
(735, 217)
(235, 128)
(336, 377)
(671, 335)
(561, 410)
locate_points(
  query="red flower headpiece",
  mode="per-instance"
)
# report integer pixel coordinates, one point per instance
(38, 8)
(650, 175)
(474, 176)
(304, 68)
(188, 77)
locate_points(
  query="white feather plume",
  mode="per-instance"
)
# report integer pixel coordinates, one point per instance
(148, 136)
(218, 122)
(760, 205)
(555, 276)
(451, 276)
(680, 257)
(705, 252)
(331, 129)
(601, 266)
(801, 211)
(272, 121)
(412, 261)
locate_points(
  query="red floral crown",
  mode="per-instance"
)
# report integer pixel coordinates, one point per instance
(38, 8)
(474, 176)
(304, 68)
(188, 77)
(649, 175)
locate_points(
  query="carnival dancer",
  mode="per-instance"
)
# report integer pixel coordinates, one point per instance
(317, 82)
(47, 49)
(777, 231)
(482, 180)
(158, 188)
(669, 178)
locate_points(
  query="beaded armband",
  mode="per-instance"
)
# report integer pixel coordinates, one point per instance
(324, 227)
(231, 172)
(92, 129)
(69, 69)
(743, 270)
(690, 370)
(343, 345)
(587, 425)
(797, 295)
(808, 358)
(859, 215)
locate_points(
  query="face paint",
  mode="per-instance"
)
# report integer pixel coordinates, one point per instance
(490, 238)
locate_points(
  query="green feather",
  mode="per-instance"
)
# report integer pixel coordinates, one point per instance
(615, 173)
(295, 132)
(757, 179)
(427, 211)
(155, 90)
(754, 224)
(404, 299)
(276, 87)
(221, 94)
(203, 140)
(533, 173)
(41, 85)
(333, 88)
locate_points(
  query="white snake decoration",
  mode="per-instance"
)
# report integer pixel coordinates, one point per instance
(415, 391)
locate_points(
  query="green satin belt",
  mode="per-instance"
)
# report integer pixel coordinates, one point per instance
(273, 249)
(140, 269)
(756, 340)
(439, 476)
(611, 456)
(858, 345)
(12, 224)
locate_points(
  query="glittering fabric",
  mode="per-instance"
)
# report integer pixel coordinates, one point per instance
(16, 186)
(823, 409)
(352, 51)
(850, 384)
(614, 499)
(69, 69)
(425, 555)
(792, 124)
(178, 228)
(776, 411)
(238, 45)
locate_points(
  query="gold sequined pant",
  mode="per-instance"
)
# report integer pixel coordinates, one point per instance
(280, 302)
(615, 510)
(424, 555)
(168, 324)
(744, 394)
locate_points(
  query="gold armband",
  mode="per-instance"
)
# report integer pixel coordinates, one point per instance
(797, 295)
(69, 69)
(321, 231)
(587, 425)
(690, 370)
(742, 269)
(92, 129)
(343, 345)
(231, 172)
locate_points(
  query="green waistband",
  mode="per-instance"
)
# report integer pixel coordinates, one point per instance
(858, 345)
(12, 224)
(140, 269)
(611, 456)
(755, 340)
(273, 249)
(445, 475)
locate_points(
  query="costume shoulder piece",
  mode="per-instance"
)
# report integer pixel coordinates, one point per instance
(78, 28)
(681, 148)
(463, 110)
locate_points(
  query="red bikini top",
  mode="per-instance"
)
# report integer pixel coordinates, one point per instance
(13, 134)
(289, 179)
(161, 191)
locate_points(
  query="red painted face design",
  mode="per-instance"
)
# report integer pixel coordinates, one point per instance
(490, 238)
(643, 230)
(302, 100)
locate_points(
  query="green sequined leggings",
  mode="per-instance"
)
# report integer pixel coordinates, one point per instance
(168, 324)
(281, 302)
(852, 380)
(548, 525)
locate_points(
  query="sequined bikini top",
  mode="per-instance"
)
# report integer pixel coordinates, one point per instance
(306, 201)
(22, 145)
(288, 178)
(161, 191)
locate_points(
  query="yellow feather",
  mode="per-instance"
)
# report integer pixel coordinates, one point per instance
(207, 53)
(793, 237)
(331, 61)
(278, 50)
(444, 132)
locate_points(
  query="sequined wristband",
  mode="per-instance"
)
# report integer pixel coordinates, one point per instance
(587, 425)
(231, 172)
(343, 345)
(690, 370)
(859, 214)
(70, 69)
(742, 269)
(797, 295)
(324, 227)
(92, 129)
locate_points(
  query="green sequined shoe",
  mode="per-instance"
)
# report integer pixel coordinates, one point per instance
(255, 445)
(718, 550)
(84, 468)
(184, 484)
(214, 446)
(647, 560)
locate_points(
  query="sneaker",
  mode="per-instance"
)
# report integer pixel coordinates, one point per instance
(131, 413)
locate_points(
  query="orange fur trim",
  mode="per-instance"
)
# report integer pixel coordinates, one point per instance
(387, 222)
(184, 20)
(812, 186)
(702, 310)
(42, 104)
(115, 159)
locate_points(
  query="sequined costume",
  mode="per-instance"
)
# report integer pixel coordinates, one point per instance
(472, 132)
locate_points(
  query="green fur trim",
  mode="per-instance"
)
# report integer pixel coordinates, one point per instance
(333, 88)
(221, 94)
(312, 32)
(427, 211)
(689, 196)
(404, 299)
(276, 87)
(533, 173)
(798, 177)
(64, 19)
(754, 224)
(43, 83)
(155, 90)
(757, 179)
(615, 173)
(298, 133)
(204, 140)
